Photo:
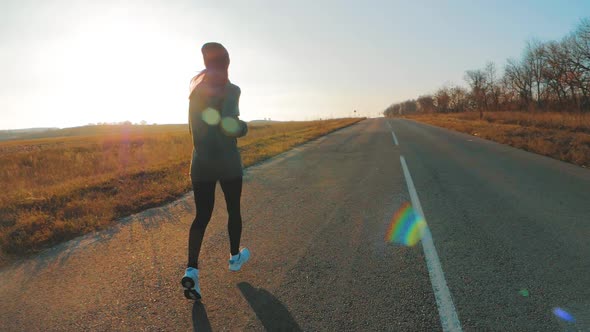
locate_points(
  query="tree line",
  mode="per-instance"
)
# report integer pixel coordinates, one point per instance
(549, 76)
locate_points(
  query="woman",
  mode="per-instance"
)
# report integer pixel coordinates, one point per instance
(214, 127)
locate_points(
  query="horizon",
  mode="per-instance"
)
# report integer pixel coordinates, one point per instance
(131, 61)
(130, 123)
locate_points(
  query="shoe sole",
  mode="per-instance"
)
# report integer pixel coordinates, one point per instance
(235, 269)
(189, 289)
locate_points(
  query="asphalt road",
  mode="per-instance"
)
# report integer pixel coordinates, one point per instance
(502, 221)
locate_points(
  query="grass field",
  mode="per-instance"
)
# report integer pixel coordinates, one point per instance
(61, 187)
(563, 136)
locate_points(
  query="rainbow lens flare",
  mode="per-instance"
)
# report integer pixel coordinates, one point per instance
(406, 228)
(564, 315)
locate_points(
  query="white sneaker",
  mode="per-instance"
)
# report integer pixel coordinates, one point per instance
(190, 282)
(236, 262)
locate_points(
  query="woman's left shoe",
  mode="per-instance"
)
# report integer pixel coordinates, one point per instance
(190, 282)
(236, 261)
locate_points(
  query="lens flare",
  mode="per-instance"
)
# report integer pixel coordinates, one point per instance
(406, 228)
(211, 116)
(230, 125)
(564, 315)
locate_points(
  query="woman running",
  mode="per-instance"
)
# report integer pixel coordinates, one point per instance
(214, 126)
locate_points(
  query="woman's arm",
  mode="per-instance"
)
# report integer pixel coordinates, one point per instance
(194, 111)
(231, 124)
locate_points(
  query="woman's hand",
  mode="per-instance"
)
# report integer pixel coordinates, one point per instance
(233, 127)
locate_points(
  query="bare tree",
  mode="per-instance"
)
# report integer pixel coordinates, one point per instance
(478, 83)
(555, 71)
(519, 78)
(493, 86)
(425, 104)
(509, 98)
(409, 107)
(549, 75)
(459, 99)
(441, 100)
(579, 60)
(574, 74)
(535, 62)
(581, 43)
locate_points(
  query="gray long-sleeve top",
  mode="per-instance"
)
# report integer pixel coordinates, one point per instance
(215, 127)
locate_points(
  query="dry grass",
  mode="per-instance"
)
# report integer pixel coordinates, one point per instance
(57, 188)
(562, 136)
(573, 122)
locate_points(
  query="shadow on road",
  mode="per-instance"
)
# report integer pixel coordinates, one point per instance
(200, 319)
(270, 311)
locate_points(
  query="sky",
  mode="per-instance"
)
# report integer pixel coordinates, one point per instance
(67, 63)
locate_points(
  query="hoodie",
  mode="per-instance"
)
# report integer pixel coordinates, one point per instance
(214, 125)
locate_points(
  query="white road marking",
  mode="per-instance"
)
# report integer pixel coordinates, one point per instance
(446, 309)
(394, 138)
(392, 134)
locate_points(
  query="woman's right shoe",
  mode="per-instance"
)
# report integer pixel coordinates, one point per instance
(236, 262)
(190, 282)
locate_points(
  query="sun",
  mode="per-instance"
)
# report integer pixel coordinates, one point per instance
(122, 67)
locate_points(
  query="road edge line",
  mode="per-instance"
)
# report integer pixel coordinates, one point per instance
(446, 309)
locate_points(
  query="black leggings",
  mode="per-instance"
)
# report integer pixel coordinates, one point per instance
(204, 201)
